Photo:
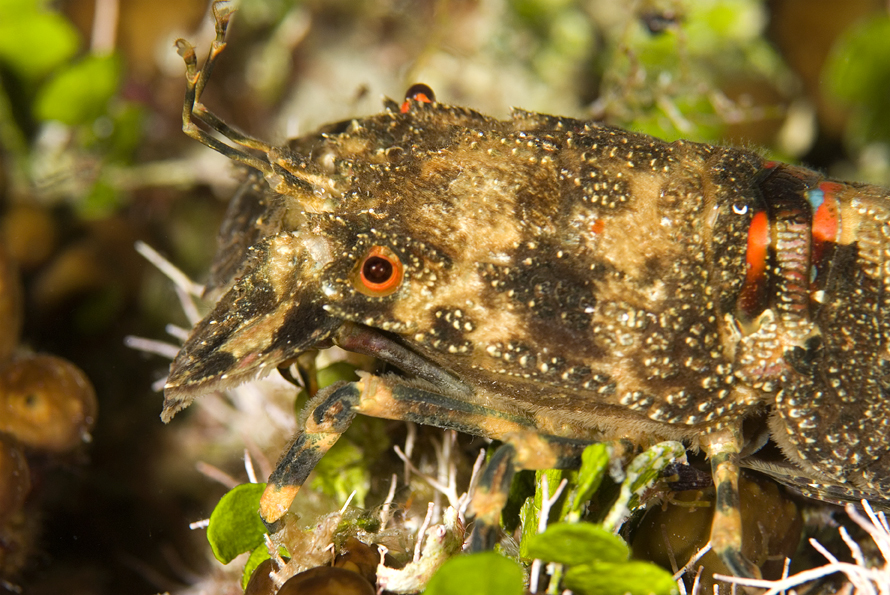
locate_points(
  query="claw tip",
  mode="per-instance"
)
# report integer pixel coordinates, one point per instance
(276, 501)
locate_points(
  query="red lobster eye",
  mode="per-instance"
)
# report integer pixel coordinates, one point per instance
(417, 92)
(380, 273)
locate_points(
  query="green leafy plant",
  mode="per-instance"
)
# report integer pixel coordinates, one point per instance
(858, 75)
(235, 528)
(79, 93)
(487, 573)
(33, 41)
(47, 84)
(597, 561)
(592, 558)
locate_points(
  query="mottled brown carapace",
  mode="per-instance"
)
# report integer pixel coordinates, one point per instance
(555, 277)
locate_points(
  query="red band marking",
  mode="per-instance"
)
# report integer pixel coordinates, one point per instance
(758, 242)
(751, 295)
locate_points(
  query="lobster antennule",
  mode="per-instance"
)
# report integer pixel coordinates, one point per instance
(284, 170)
(193, 110)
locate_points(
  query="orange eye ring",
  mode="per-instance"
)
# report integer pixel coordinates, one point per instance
(379, 273)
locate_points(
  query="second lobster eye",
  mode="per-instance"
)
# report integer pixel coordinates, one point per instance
(380, 272)
(420, 93)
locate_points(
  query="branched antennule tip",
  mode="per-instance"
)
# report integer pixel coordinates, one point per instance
(185, 50)
(222, 12)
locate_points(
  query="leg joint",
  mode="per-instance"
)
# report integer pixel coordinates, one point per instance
(336, 409)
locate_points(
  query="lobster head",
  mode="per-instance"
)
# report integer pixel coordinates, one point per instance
(360, 226)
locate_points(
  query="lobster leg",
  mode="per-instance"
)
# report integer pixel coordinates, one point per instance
(329, 414)
(522, 451)
(490, 497)
(726, 528)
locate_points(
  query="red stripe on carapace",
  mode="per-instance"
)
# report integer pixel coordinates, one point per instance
(752, 294)
(758, 242)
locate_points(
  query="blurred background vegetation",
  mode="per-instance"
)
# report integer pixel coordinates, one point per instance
(92, 159)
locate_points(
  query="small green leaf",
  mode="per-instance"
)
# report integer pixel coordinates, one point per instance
(17, 6)
(257, 557)
(235, 525)
(646, 468)
(609, 578)
(528, 516)
(33, 43)
(80, 93)
(531, 510)
(594, 464)
(577, 543)
(554, 477)
(487, 573)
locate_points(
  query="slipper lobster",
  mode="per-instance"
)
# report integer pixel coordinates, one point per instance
(550, 282)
